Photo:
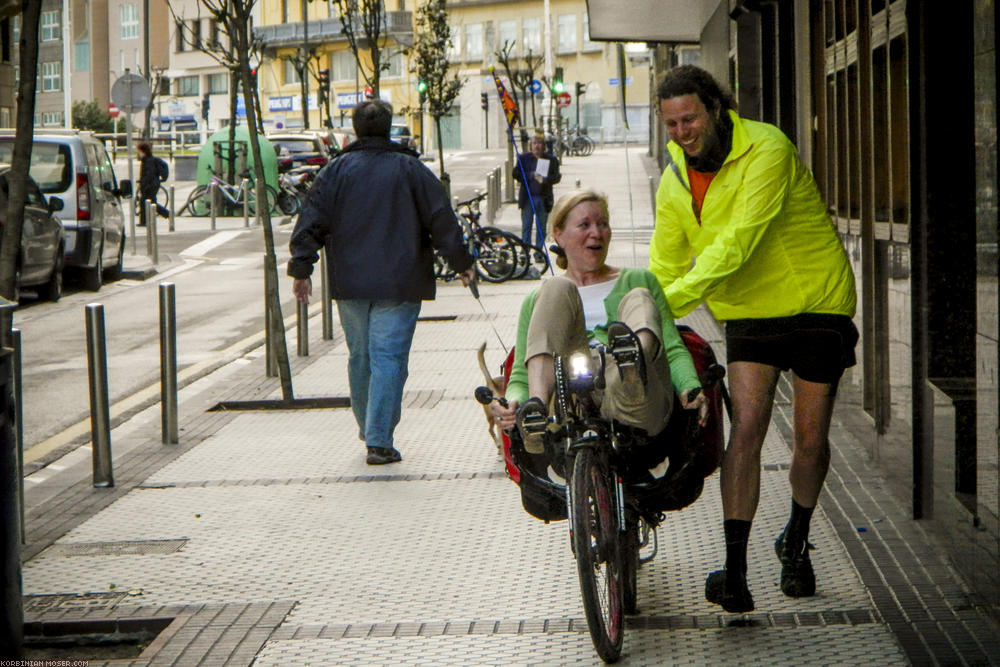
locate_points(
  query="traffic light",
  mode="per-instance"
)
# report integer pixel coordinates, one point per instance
(581, 88)
(324, 80)
(205, 102)
(557, 81)
(422, 90)
(253, 78)
(485, 101)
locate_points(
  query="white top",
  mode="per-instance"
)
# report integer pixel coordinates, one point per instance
(593, 302)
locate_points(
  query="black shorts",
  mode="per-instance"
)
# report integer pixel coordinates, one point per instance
(816, 347)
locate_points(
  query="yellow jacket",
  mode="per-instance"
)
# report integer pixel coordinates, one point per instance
(766, 246)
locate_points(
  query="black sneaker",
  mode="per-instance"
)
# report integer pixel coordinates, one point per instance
(797, 577)
(733, 596)
(624, 346)
(381, 455)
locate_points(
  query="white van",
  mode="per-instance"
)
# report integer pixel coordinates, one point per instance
(74, 166)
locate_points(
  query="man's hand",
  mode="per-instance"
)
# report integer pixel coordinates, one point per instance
(302, 288)
(539, 177)
(468, 276)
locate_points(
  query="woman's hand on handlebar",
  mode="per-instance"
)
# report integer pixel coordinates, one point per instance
(505, 417)
(694, 399)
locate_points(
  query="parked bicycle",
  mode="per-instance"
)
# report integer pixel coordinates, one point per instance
(293, 186)
(199, 202)
(495, 250)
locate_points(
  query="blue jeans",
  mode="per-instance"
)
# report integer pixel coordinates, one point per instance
(527, 219)
(379, 334)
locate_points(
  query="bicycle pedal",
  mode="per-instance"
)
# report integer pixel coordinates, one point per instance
(534, 423)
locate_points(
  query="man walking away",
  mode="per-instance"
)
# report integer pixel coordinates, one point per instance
(379, 212)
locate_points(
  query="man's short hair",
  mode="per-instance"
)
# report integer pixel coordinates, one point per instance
(372, 118)
(691, 80)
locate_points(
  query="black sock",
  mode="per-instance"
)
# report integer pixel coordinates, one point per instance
(737, 536)
(797, 529)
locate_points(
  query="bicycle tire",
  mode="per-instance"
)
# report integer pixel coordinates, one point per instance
(198, 203)
(630, 562)
(496, 257)
(598, 552)
(288, 203)
(269, 193)
(521, 262)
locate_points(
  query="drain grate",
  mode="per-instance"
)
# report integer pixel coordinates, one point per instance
(136, 548)
(37, 604)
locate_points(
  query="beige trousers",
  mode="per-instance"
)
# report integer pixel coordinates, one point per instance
(557, 328)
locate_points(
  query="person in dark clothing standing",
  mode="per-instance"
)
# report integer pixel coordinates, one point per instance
(149, 181)
(379, 212)
(542, 172)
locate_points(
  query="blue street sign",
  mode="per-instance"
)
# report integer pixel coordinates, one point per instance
(614, 81)
(536, 86)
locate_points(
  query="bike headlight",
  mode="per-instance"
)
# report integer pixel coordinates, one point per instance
(579, 367)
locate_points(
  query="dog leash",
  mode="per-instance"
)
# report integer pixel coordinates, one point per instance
(474, 288)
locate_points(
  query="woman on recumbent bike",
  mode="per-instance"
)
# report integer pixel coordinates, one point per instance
(619, 318)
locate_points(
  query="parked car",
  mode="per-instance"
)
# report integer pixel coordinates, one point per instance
(74, 166)
(401, 135)
(299, 149)
(342, 136)
(42, 256)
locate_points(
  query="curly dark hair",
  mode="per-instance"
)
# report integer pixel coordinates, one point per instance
(691, 80)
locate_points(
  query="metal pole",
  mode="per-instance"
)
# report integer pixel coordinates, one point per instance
(489, 198)
(100, 416)
(171, 225)
(213, 191)
(245, 185)
(270, 363)
(325, 295)
(153, 234)
(508, 194)
(15, 339)
(302, 326)
(168, 363)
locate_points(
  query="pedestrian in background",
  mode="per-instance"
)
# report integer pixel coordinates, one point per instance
(541, 170)
(152, 172)
(379, 212)
(736, 199)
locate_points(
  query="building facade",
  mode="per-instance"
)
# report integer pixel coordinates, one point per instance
(893, 104)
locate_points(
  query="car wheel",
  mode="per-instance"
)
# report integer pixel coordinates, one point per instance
(52, 290)
(93, 276)
(116, 271)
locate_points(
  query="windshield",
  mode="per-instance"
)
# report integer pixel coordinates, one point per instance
(50, 163)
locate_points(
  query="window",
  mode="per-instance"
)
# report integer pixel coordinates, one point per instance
(187, 85)
(474, 41)
(342, 66)
(218, 83)
(81, 56)
(181, 41)
(587, 44)
(454, 45)
(567, 33)
(51, 74)
(214, 34)
(532, 33)
(291, 74)
(50, 27)
(195, 33)
(508, 35)
(15, 29)
(128, 21)
(52, 119)
(395, 65)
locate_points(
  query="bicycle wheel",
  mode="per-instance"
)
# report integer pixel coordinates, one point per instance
(496, 256)
(288, 203)
(269, 193)
(598, 553)
(630, 562)
(198, 203)
(521, 256)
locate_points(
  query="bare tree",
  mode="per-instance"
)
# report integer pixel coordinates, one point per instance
(520, 79)
(17, 196)
(235, 22)
(430, 49)
(363, 22)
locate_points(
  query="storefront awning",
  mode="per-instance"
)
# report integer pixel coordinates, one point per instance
(649, 20)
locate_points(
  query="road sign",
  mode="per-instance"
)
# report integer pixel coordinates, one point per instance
(113, 111)
(563, 100)
(536, 86)
(130, 93)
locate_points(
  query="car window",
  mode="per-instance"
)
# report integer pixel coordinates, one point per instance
(50, 163)
(103, 171)
(34, 195)
(293, 146)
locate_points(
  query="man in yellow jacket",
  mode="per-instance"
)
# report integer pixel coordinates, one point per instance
(741, 226)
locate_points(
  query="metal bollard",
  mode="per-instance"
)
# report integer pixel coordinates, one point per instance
(302, 326)
(16, 385)
(270, 360)
(170, 226)
(324, 281)
(213, 199)
(146, 206)
(489, 198)
(153, 240)
(246, 202)
(100, 416)
(168, 363)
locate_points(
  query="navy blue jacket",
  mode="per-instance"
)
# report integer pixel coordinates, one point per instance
(541, 193)
(379, 212)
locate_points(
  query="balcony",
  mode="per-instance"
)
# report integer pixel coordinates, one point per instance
(398, 26)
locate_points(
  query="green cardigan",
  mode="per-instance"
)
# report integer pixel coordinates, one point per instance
(682, 371)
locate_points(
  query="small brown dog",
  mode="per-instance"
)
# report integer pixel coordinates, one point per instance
(494, 383)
